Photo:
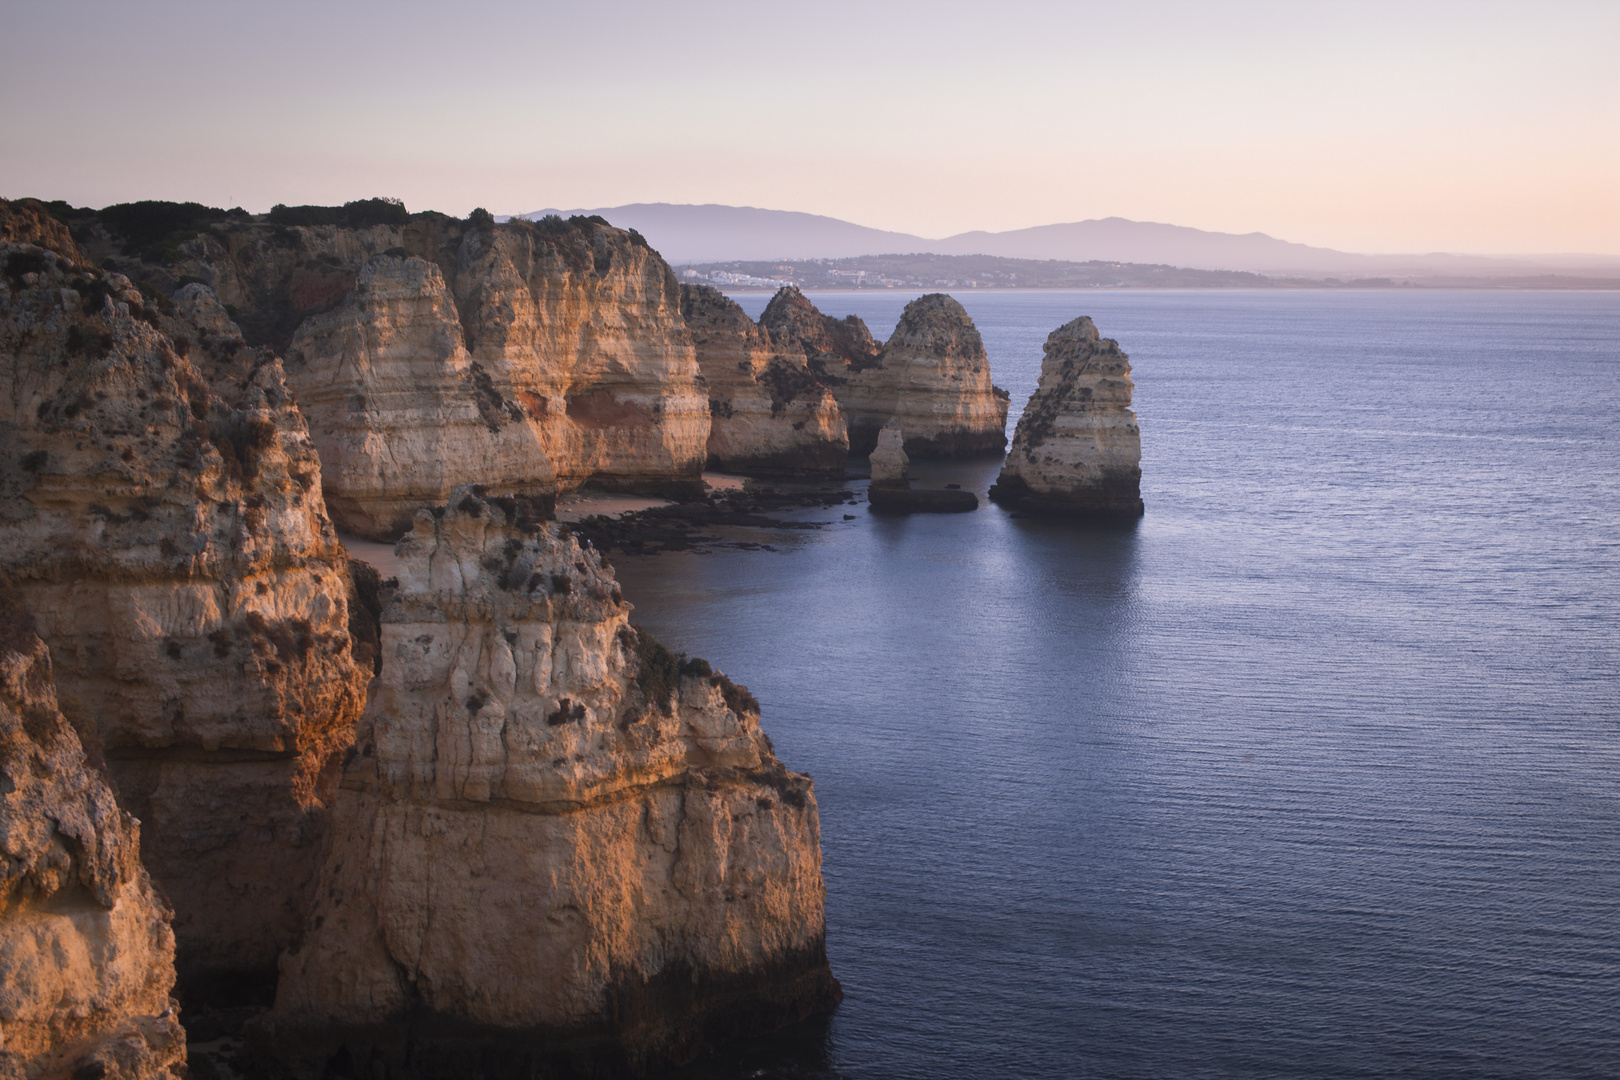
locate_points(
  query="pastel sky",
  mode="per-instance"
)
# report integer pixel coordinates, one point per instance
(1380, 127)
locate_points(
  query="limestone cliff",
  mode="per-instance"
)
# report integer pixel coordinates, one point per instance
(531, 356)
(86, 953)
(932, 375)
(398, 410)
(29, 221)
(161, 514)
(559, 850)
(769, 413)
(1077, 449)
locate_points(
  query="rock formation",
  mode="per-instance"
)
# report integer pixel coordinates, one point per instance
(1077, 449)
(538, 356)
(769, 412)
(86, 953)
(559, 849)
(399, 411)
(891, 492)
(932, 374)
(161, 514)
(889, 458)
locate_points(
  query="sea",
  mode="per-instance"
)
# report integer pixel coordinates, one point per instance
(1313, 772)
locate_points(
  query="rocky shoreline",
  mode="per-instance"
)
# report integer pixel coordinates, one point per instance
(465, 816)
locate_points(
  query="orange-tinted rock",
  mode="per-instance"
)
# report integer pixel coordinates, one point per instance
(86, 953)
(161, 513)
(770, 413)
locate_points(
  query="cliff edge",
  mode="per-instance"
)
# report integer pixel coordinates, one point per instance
(161, 516)
(560, 850)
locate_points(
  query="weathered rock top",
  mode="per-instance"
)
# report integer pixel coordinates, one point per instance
(833, 347)
(936, 325)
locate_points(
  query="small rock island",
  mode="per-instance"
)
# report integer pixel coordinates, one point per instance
(1077, 450)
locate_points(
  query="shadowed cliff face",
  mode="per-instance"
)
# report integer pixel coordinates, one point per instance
(86, 953)
(1077, 449)
(161, 514)
(932, 375)
(769, 413)
(527, 356)
(557, 848)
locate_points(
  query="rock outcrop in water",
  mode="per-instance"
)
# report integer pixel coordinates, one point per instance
(770, 414)
(1077, 449)
(161, 516)
(932, 374)
(558, 848)
(86, 953)
(891, 492)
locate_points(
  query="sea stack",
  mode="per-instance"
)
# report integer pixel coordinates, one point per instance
(770, 414)
(932, 375)
(891, 492)
(161, 518)
(86, 953)
(1077, 450)
(559, 850)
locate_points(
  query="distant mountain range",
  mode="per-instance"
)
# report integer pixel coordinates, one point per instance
(688, 234)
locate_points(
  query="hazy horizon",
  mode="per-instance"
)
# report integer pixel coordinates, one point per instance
(1478, 128)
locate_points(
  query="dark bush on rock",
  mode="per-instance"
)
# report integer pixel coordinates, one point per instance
(154, 229)
(359, 214)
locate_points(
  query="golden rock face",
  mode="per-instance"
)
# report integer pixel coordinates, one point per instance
(162, 519)
(1077, 448)
(86, 953)
(538, 827)
(770, 414)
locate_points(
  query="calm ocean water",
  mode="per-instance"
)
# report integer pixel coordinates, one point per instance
(1313, 773)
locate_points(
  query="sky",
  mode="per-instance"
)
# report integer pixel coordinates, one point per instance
(1418, 126)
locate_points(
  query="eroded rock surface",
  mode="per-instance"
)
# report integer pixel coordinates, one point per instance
(1077, 448)
(530, 357)
(770, 414)
(161, 515)
(932, 375)
(558, 849)
(399, 411)
(86, 952)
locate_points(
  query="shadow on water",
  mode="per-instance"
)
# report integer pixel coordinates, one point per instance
(800, 1052)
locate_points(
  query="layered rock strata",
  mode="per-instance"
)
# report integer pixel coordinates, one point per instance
(86, 953)
(530, 357)
(932, 375)
(1077, 449)
(770, 414)
(161, 514)
(559, 850)
(399, 410)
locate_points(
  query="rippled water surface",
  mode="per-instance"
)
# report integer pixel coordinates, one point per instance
(1313, 773)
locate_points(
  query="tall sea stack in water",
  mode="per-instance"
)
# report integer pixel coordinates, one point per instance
(560, 850)
(1077, 449)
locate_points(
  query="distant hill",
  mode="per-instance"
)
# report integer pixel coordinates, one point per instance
(710, 233)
